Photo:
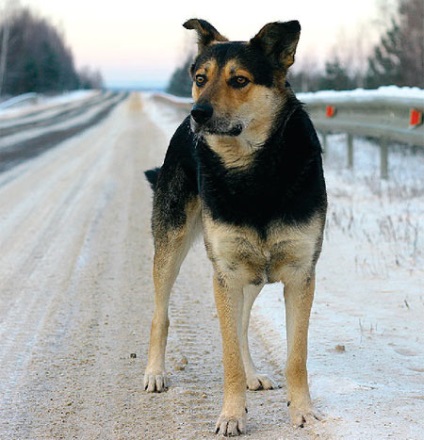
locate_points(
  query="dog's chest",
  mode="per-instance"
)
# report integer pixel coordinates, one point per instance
(240, 254)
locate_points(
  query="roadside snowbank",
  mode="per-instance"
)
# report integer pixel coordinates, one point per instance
(43, 101)
(362, 95)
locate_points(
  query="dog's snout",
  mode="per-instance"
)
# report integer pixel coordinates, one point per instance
(201, 113)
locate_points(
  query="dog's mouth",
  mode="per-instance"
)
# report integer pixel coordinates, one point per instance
(232, 131)
(216, 129)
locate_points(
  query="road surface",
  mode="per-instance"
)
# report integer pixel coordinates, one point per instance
(76, 301)
(76, 296)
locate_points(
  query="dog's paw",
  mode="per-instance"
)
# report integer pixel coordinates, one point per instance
(155, 383)
(259, 381)
(300, 417)
(231, 426)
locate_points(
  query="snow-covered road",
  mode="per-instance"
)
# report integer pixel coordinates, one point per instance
(31, 130)
(76, 299)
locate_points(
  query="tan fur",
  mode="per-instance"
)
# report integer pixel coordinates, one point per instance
(229, 303)
(255, 380)
(298, 295)
(240, 253)
(171, 248)
(243, 263)
(253, 106)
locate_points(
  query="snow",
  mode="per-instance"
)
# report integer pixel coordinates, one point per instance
(366, 356)
(42, 102)
(63, 98)
(366, 359)
(357, 95)
(174, 99)
(51, 108)
(362, 95)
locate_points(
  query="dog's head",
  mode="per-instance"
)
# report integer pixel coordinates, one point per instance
(239, 87)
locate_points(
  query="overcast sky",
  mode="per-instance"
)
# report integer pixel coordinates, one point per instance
(143, 41)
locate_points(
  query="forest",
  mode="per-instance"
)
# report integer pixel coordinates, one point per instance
(396, 59)
(34, 57)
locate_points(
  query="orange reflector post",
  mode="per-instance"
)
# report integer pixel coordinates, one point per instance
(415, 117)
(330, 111)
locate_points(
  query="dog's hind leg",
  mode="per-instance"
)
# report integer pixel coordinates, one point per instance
(298, 294)
(165, 270)
(171, 247)
(255, 380)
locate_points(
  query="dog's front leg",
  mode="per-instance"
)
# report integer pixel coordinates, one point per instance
(255, 380)
(229, 303)
(299, 294)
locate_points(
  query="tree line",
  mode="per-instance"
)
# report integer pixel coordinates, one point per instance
(34, 57)
(396, 59)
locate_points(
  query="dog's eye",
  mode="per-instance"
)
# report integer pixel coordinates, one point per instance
(238, 82)
(200, 80)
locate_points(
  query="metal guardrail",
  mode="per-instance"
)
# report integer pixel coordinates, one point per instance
(380, 117)
(392, 120)
(367, 114)
(384, 118)
(176, 101)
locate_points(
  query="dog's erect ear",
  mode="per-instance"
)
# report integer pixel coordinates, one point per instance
(279, 41)
(206, 33)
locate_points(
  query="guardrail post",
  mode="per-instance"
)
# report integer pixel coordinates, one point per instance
(350, 151)
(324, 143)
(384, 159)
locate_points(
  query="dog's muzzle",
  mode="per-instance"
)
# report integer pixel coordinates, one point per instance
(201, 113)
(202, 122)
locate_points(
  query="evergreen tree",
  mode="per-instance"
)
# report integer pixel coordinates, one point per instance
(335, 77)
(384, 66)
(398, 59)
(180, 83)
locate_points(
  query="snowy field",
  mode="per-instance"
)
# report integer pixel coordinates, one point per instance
(366, 360)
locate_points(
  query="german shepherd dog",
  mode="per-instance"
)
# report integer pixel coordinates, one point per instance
(245, 166)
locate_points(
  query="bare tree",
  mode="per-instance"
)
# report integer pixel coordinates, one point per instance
(412, 41)
(5, 37)
(3, 53)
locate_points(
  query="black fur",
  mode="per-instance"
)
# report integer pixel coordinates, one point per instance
(285, 180)
(176, 181)
(152, 176)
(251, 57)
(249, 203)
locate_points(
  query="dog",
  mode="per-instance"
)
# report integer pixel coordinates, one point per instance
(245, 168)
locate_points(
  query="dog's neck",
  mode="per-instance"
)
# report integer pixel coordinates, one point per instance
(235, 152)
(240, 151)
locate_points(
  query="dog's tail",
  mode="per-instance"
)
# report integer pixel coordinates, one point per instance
(152, 176)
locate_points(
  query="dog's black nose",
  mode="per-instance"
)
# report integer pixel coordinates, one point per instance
(201, 113)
